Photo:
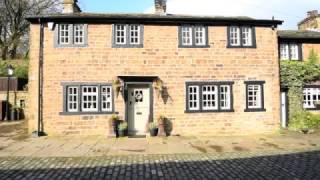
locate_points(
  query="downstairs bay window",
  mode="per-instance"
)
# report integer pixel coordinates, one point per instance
(87, 99)
(311, 97)
(209, 97)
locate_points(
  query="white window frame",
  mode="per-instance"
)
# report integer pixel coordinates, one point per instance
(200, 35)
(186, 35)
(122, 29)
(254, 96)
(78, 33)
(210, 97)
(64, 34)
(284, 52)
(72, 98)
(294, 51)
(235, 36)
(136, 32)
(225, 97)
(310, 97)
(106, 98)
(194, 102)
(92, 101)
(247, 36)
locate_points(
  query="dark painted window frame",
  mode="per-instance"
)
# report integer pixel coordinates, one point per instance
(71, 36)
(312, 86)
(200, 84)
(80, 85)
(127, 36)
(300, 55)
(253, 32)
(193, 36)
(262, 108)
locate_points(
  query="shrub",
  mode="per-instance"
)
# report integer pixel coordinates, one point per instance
(153, 125)
(304, 120)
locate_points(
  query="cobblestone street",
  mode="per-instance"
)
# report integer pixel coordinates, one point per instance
(185, 166)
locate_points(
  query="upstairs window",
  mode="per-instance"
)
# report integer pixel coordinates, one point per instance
(209, 97)
(71, 35)
(241, 36)
(290, 51)
(193, 36)
(128, 35)
(254, 96)
(311, 97)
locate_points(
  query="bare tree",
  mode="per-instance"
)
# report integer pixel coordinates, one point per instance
(14, 27)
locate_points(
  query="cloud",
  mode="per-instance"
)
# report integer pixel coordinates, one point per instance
(291, 11)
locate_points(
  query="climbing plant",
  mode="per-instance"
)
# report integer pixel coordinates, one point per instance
(294, 75)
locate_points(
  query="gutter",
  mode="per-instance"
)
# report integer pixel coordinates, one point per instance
(39, 131)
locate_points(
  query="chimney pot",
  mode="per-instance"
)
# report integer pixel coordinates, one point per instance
(160, 6)
(313, 13)
(71, 6)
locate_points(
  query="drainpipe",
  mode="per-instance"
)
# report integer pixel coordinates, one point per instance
(39, 131)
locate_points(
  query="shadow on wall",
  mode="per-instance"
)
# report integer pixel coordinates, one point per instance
(197, 166)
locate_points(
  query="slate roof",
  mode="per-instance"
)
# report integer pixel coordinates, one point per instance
(298, 34)
(151, 18)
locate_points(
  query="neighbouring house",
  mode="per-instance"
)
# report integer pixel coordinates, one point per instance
(18, 96)
(296, 45)
(207, 75)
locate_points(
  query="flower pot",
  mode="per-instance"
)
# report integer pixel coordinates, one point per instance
(121, 133)
(305, 131)
(153, 132)
(13, 115)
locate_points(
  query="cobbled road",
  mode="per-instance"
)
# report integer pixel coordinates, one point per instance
(304, 165)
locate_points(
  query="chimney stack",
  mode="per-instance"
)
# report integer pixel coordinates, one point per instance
(160, 6)
(71, 6)
(313, 13)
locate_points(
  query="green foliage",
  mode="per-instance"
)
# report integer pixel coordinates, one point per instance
(294, 75)
(313, 57)
(123, 126)
(20, 69)
(304, 120)
(153, 125)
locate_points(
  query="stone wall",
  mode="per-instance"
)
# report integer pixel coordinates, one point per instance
(100, 63)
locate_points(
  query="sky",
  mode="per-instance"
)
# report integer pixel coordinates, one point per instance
(290, 11)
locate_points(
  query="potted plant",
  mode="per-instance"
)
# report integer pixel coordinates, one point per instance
(122, 129)
(114, 121)
(153, 128)
(117, 86)
(14, 112)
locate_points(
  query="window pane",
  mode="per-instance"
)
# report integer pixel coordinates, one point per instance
(209, 97)
(186, 33)
(294, 51)
(106, 98)
(234, 36)
(72, 99)
(193, 97)
(310, 97)
(89, 98)
(78, 34)
(247, 36)
(200, 35)
(134, 34)
(284, 52)
(120, 34)
(225, 94)
(254, 96)
(64, 33)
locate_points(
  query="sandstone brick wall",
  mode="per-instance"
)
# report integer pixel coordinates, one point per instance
(313, 23)
(307, 47)
(101, 63)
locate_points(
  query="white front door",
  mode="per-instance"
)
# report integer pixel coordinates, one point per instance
(138, 109)
(284, 110)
